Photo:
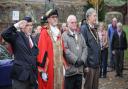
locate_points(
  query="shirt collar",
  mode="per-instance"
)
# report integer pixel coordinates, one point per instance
(71, 32)
(91, 26)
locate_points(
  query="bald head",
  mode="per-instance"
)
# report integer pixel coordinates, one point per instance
(38, 29)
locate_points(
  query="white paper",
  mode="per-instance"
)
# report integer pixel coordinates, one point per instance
(15, 15)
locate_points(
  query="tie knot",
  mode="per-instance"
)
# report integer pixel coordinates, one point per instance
(30, 42)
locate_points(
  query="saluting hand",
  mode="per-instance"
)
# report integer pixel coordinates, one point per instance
(22, 24)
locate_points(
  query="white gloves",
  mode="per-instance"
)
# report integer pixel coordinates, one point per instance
(44, 76)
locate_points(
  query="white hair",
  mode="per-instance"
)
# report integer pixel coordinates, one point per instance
(90, 11)
(119, 24)
(70, 17)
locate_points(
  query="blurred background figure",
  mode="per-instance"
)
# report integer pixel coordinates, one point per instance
(83, 21)
(43, 24)
(37, 33)
(111, 29)
(1, 39)
(64, 27)
(119, 44)
(43, 21)
(103, 37)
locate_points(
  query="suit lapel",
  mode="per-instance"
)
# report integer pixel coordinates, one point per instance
(26, 41)
(92, 33)
(34, 42)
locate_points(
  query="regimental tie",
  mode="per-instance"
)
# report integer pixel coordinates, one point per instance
(30, 42)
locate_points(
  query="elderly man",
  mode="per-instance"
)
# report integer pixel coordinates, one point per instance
(50, 65)
(24, 73)
(119, 44)
(111, 29)
(93, 59)
(75, 51)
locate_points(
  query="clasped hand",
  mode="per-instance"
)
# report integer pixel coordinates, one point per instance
(79, 63)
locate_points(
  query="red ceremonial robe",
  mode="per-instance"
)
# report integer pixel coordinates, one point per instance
(45, 45)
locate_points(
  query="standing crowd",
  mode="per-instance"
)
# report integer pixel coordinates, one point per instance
(57, 58)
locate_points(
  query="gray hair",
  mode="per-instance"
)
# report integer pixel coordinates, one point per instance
(90, 11)
(119, 24)
(70, 17)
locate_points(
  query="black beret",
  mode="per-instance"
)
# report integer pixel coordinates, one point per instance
(51, 12)
(28, 19)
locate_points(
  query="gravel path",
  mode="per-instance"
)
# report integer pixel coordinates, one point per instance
(112, 82)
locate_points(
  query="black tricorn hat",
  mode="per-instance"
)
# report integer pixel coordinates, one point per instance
(51, 12)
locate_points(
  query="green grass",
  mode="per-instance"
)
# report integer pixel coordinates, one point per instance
(126, 52)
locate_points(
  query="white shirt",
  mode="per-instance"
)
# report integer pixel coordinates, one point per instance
(55, 32)
(91, 26)
(72, 33)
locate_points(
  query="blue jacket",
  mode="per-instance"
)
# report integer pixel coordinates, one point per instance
(93, 45)
(111, 31)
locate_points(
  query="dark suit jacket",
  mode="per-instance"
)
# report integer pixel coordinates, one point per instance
(93, 45)
(24, 67)
(119, 42)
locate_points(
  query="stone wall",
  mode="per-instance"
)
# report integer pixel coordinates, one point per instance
(121, 9)
(37, 8)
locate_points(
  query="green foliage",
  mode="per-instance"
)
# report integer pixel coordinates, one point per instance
(86, 7)
(126, 52)
(115, 2)
(101, 11)
(4, 54)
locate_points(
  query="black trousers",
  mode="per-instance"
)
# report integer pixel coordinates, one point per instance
(103, 65)
(119, 61)
(73, 82)
(16, 84)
